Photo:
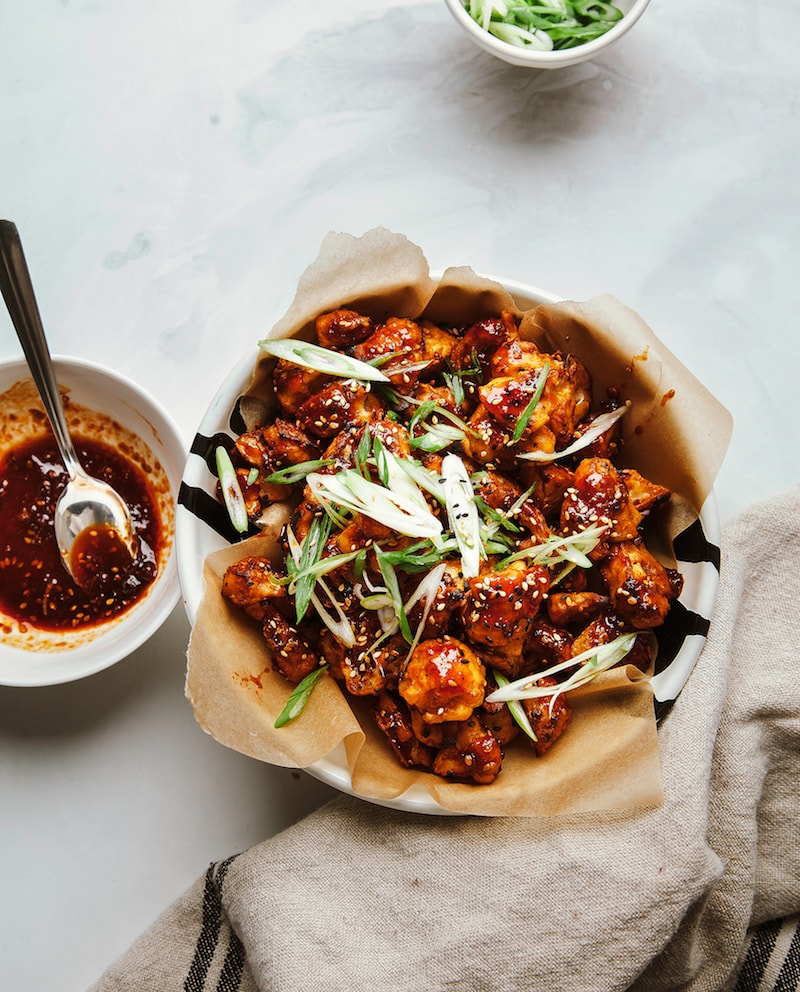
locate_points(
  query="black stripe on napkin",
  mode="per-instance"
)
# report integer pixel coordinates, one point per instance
(789, 975)
(762, 944)
(765, 962)
(232, 967)
(209, 935)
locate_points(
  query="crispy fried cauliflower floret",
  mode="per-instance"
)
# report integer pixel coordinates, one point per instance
(482, 339)
(514, 356)
(640, 587)
(548, 717)
(294, 656)
(341, 329)
(598, 496)
(567, 608)
(546, 644)
(645, 495)
(444, 680)
(403, 344)
(446, 603)
(499, 609)
(252, 584)
(399, 342)
(487, 441)
(364, 672)
(268, 449)
(500, 493)
(475, 754)
(294, 385)
(393, 719)
(336, 406)
(276, 446)
(497, 718)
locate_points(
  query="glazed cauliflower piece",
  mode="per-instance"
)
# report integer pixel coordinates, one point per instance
(444, 680)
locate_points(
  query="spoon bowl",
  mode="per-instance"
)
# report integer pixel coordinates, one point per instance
(87, 506)
(90, 511)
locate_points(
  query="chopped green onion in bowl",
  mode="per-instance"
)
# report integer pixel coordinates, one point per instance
(544, 25)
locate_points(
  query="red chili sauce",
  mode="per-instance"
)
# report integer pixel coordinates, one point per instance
(35, 587)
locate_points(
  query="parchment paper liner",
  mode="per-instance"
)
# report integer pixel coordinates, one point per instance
(676, 434)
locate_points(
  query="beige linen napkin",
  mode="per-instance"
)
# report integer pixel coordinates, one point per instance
(702, 893)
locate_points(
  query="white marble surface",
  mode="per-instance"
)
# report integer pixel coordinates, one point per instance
(174, 167)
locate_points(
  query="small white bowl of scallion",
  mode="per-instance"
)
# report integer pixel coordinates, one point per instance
(546, 34)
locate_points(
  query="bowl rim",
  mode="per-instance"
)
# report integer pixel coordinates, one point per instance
(138, 624)
(549, 59)
(332, 769)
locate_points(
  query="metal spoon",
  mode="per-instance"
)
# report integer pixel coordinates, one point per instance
(85, 501)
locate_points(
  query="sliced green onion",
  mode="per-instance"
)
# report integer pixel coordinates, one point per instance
(299, 696)
(424, 478)
(436, 434)
(403, 483)
(231, 490)
(427, 590)
(362, 453)
(352, 491)
(304, 579)
(572, 548)
(436, 438)
(495, 543)
(527, 413)
(515, 708)
(544, 24)
(513, 34)
(311, 356)
(599, 426)
(325, 565)
(591, 663)
(380, 454)
(422, 556)
(462, 513)
(456, 386)
(496, 518)
(341, 628)
(419, 366)
(252, 475)
(393, 589)
(596, 10)
(377, 601)
(454, 378)
(298, 472)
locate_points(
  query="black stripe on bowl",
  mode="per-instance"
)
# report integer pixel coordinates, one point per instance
(682, 636)
(204, 504)
(693, 545)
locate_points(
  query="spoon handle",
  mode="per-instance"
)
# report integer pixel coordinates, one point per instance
(17, 290)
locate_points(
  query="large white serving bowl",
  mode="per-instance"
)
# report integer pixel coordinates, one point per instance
(126, 415)
(532, 58)
(202, 528)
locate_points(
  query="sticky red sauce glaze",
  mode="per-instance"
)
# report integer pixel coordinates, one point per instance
(35, 588)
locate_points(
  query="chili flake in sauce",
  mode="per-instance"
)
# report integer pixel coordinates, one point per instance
(35, 588)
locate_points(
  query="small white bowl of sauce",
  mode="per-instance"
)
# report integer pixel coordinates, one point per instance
(52, 630)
